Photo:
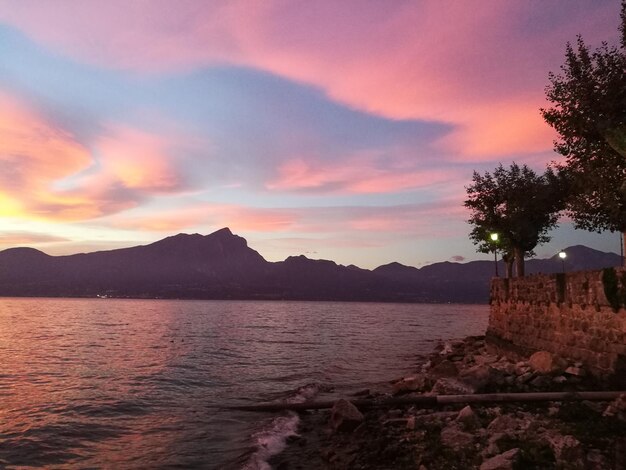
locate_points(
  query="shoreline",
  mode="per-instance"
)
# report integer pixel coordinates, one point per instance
(572, 435)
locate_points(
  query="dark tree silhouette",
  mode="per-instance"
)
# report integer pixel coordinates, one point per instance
(588, 111)
(519, 205)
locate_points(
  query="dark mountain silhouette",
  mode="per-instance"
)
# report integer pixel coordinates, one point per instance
(222, 266)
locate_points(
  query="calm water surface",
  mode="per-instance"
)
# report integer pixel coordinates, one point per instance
(138, 384)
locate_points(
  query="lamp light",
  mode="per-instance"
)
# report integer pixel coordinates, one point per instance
(494, 239)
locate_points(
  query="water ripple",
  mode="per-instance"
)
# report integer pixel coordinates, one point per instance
(139, 384)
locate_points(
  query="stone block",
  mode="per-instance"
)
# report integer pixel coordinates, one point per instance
(345, 417)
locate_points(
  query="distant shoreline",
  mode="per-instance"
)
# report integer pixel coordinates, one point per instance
(237, 300)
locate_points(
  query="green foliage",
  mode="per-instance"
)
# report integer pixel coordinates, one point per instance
(518, 204)
(589, 113)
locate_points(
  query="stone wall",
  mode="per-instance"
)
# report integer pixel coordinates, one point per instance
(579, 315)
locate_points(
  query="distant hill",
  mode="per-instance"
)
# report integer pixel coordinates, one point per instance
(221, 265)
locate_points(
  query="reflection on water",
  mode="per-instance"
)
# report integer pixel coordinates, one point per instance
(135, 384)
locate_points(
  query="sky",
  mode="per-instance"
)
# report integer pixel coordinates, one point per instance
(339, 130)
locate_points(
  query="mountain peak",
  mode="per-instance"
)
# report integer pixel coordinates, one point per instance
(580, 250)
(26, 252)
(394, 267)
(222, 231)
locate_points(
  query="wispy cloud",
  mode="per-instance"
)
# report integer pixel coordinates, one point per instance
(19, 238)
(346, 122)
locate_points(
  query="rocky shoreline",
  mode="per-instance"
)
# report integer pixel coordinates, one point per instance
(544, 435)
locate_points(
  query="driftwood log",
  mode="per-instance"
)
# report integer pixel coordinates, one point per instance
(431, 401)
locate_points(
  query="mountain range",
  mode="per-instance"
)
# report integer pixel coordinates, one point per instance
(221, 265)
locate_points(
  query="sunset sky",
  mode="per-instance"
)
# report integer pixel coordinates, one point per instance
(344, 130)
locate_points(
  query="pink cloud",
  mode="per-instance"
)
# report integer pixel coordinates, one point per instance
(508, 127)
(238, 218)
(360, 174)
(476, 65)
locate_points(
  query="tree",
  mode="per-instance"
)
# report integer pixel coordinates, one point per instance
(519, 205)
(589, 114)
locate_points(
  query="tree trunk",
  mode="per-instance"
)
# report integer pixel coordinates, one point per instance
(519, 261)
(509, 268)
(508, 258)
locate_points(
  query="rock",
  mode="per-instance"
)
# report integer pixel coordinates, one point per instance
(395, 422)
(453, 437)
(478, 377)
(504, 461)
(544, 362)
(522, 379)
(541, 381)
(410, 384)
(491, 450)
(436, 417)
(559, 379)
(468, 359)
(485, 359)
(567, 451)
(617, 408)
(345, 417)
(505, 367)
(576, 371)
(503, 424)
(457, 343)
(445, 368)
(521, 368)
(541, 362)
(447, 349)
(596, 461)
(362, 393)
(449, 386)
(468, 419)
(327, 453)
(593, 406)
(410, 423)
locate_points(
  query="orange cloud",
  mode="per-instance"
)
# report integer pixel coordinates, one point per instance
(34, 153)
(32, 147)
(139, 160)
(47, 174)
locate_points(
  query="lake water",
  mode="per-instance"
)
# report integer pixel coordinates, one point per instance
(138, 383)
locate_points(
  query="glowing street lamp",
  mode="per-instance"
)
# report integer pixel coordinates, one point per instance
(494, 239)
(562, 255)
